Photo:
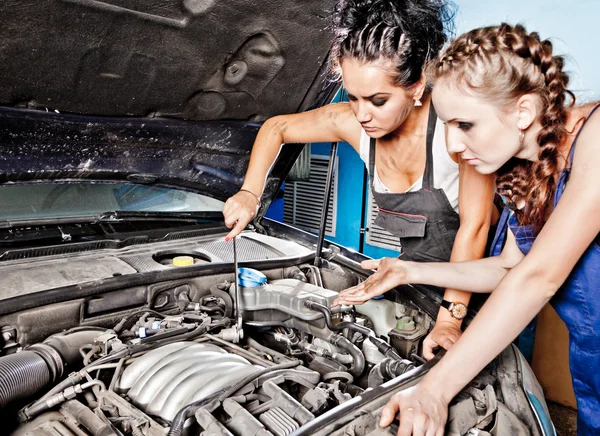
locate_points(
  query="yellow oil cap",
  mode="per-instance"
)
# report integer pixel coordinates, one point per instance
(183, 261)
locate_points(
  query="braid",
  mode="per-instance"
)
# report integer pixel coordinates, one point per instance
(506, 62)
(409, 33)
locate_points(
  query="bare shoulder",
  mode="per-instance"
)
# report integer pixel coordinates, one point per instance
(341, 117)
(587, 148)
(330, 123)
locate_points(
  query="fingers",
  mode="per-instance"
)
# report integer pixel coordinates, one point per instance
(239, 226)
(428, 346)
(388, 414)
(373, 287)
(237, 213)
(420, 424)
(407, 417)
(370, 264)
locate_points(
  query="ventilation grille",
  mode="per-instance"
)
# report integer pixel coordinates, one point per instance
(377, 236)
(303, 201)
(247, 249)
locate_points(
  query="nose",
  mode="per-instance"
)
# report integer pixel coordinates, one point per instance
(454, 142)
(363, 114)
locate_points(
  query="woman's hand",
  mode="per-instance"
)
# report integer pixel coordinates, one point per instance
(444, 334)
(238, 211)
(391, 272)
(422, 412)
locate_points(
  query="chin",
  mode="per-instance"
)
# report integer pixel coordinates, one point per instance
(377, 134)
(486, 168)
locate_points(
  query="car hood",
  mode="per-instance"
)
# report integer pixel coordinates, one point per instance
(167, 92)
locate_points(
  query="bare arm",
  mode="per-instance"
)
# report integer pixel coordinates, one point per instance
(531, 284)
(331, 123)
(481, 275)
(521, 294)
(475, 203)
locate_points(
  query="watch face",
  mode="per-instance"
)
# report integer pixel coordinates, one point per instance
(459, 310)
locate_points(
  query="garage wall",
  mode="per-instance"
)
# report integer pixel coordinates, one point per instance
(572, 27)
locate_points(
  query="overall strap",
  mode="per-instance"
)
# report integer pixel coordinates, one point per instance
(372, 161)
(428, 174)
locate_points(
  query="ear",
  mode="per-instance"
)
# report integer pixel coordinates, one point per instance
(527, 111)
(419, 88)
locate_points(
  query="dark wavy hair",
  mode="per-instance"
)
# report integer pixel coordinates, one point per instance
(410, 33)
(502, 63)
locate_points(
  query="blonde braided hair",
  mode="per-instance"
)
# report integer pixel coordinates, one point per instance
(504, 63)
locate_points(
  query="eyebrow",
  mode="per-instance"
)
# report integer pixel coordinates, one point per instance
(458, 119)
(379, 94)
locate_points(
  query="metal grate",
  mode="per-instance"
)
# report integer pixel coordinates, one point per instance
(247, 250)
(303, 201)
(376, 235)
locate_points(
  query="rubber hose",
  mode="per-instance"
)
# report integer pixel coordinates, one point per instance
(386, 349)
(358, 358)
(68, 343)
(183, 414)
(296, 273)
(219, 293)
(22, 375)
(329, 319)
(388, 369)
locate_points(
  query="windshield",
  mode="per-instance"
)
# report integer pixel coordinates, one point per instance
(67, 200)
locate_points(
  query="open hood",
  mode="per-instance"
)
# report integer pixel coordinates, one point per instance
(156, 91)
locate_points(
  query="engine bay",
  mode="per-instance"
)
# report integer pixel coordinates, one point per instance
(296, 359)
(167, 356)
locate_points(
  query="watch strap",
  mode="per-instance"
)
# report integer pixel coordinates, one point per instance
(446, 304)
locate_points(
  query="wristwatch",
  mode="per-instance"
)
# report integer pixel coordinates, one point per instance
(457, 310)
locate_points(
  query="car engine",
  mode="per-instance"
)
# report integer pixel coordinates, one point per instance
(190, 370)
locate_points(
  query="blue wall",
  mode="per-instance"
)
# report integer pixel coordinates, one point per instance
(350, 191)
(572, 26)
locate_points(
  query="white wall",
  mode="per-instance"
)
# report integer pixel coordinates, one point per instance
(573, 26)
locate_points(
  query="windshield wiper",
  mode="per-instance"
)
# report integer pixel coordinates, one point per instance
(115, 217)
(118, 215)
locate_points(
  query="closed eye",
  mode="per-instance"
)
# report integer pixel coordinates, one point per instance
(464, 125)
(378, 102)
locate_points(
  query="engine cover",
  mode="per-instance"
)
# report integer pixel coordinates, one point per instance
(166, 379)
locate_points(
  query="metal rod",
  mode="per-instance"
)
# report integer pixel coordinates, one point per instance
(238, 312)
(325, 210)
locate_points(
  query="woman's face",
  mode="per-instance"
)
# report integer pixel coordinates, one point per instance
(379, 105)
(477, 130)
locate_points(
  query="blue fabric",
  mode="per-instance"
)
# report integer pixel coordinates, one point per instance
(577, 302)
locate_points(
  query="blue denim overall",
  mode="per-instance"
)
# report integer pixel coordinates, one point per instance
(578, 304)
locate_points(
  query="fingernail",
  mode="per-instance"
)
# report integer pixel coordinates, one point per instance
(226, 239)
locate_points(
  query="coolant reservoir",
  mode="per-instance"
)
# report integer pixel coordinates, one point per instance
(381, 312)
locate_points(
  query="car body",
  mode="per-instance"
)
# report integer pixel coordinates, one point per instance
(124, 127)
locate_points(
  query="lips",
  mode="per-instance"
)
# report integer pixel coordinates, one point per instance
(369, 128)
